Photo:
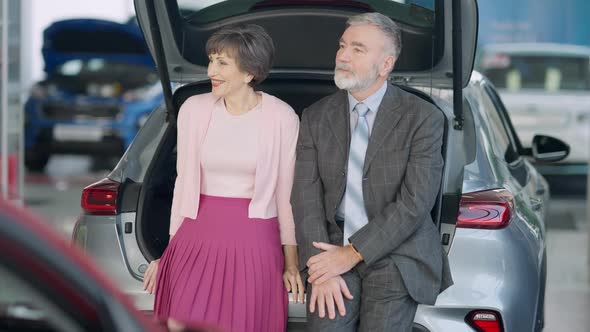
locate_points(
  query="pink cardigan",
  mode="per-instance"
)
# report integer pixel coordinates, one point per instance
(274, 170)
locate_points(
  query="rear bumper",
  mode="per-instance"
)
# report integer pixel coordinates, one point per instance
(442, 319)
(110, 145)
(117, 130)
(499, 270)
(495, 270)
(101, 238)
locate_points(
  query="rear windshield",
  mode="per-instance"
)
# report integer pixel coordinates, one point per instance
(414, 12)
(306, 32)
(548, 73)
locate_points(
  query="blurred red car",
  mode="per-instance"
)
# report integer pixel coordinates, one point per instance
(46, 284)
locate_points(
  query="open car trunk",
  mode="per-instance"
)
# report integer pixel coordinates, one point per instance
(155, 200)
(437, 52)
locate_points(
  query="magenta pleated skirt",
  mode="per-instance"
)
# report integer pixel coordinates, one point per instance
(224, 268)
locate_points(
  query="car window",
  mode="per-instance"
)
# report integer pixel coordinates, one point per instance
(503, 144)
(137, 158)
(504, 115)
(548, 73)
(23, 308)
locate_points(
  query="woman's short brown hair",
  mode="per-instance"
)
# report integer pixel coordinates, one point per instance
(248, 44)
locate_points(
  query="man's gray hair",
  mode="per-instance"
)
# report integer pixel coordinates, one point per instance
(383, 23)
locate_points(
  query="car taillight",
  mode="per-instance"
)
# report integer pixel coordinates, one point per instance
(100, 198)
(489, 209)
(485, 321)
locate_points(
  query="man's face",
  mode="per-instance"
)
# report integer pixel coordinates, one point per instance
(360, 59)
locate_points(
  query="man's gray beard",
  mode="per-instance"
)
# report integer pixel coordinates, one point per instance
(353, 84)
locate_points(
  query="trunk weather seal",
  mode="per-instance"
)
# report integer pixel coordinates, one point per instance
(457, 66)
(160, 60)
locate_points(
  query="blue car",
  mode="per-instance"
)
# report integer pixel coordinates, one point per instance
(100, 86)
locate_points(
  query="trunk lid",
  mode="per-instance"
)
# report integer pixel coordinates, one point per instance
(306, 34)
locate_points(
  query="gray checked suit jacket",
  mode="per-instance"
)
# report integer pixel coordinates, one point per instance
(402, 176)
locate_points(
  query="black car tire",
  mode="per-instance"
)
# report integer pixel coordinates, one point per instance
(36, 159)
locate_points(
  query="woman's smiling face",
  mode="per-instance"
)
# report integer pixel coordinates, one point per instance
(226, 76)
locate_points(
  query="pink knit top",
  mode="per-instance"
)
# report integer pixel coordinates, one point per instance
(274, 159)
(228, 160)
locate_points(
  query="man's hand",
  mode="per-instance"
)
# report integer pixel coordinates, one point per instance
(334, 261)
(328, 294)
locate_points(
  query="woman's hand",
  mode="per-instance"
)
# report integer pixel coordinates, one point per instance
(294, 284)
(150, 276)
(291, 276)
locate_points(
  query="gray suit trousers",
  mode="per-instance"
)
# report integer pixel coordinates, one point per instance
(383, 305)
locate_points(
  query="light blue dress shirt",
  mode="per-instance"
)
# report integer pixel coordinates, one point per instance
(373, 102)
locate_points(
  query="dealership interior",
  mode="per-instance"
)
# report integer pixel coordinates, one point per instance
(77, 96)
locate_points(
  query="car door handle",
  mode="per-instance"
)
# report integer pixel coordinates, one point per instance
(536, 204)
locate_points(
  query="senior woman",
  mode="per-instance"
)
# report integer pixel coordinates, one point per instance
(232, 255)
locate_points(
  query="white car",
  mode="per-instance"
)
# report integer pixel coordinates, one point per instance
(546, 89)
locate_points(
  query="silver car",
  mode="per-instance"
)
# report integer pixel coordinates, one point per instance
(491, 202)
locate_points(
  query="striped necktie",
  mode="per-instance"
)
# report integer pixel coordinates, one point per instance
(355, 215)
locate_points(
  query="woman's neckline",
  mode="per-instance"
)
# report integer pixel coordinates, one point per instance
(253, 109)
